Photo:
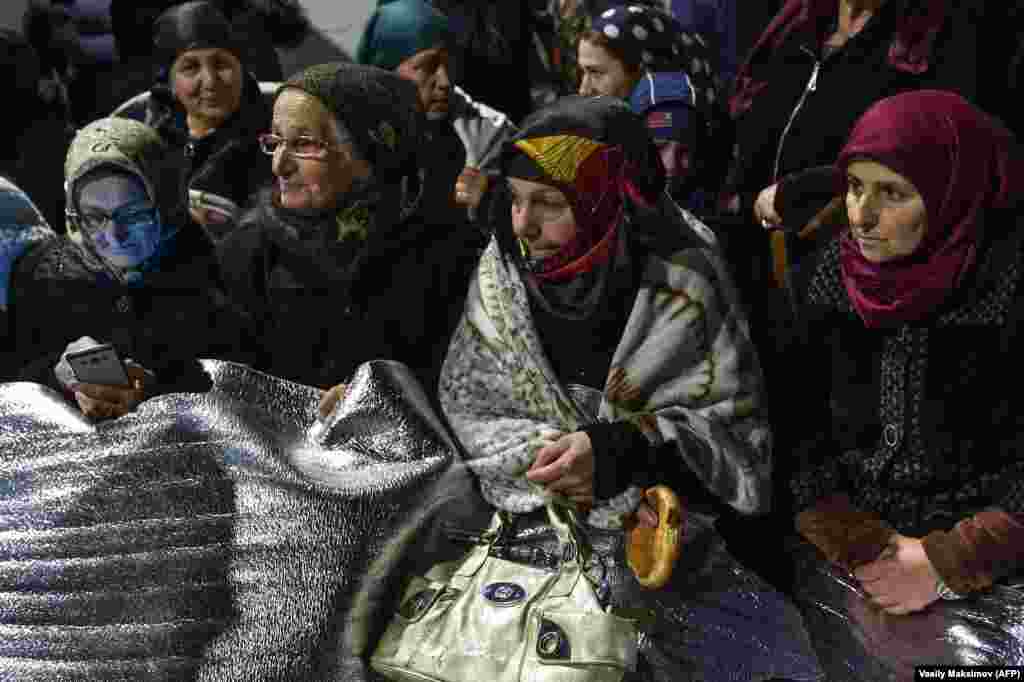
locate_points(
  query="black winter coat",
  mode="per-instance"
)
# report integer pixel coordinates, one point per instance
(443, 156)
(970, 55)
(165, 325)
(323, 307)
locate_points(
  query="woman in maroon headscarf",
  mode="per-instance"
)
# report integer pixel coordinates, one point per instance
(915, 495)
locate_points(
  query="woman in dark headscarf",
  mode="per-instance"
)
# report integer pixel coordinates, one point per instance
(209, 109)
(915, 492)
(602, 350)
(334, 261)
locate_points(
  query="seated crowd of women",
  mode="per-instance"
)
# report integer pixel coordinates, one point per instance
(561, 290)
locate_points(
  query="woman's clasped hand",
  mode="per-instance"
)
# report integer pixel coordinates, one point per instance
(901, 580)
(565, 466)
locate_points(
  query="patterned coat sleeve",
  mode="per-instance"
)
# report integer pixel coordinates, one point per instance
(686, 373)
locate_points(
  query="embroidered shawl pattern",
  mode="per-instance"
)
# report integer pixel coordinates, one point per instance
(684, 372)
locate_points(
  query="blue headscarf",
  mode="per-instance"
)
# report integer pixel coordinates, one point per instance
(21, 226)
(398, 29)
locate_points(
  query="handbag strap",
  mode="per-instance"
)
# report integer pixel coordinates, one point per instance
(563, 520)
(575, 550)
(570, 534)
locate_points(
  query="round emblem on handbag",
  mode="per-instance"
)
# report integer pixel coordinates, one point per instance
(504, 594)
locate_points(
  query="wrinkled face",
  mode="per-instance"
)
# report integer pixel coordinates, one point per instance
(428, 70)
(602, 74)
(208, 83)
(312, 183)
(888, 217)
(541, 216)
(118, 218)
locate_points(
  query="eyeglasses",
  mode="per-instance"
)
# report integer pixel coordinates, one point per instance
(135, 213)
(302, 147)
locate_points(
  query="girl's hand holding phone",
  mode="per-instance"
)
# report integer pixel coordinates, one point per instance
(103, 386)
(98, 401)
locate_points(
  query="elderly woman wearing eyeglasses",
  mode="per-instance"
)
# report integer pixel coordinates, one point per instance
(333, 260)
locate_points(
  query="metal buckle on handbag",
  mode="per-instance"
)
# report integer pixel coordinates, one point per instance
(531, 556)
(552, 642)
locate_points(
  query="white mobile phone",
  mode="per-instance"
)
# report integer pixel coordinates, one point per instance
(99, 365)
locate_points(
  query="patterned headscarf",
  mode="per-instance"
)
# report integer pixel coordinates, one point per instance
(121, 144)
(963, 163)
(598, 152)
(114, 142)
(596, 169)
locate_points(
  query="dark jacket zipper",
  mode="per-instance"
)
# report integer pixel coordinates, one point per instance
(812, 85)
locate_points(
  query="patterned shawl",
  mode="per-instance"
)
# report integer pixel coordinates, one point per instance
(685, 372)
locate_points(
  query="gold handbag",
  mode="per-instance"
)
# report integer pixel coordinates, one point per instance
(486, 619)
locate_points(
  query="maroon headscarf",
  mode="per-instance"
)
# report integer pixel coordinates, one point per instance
(962, 162)
(812, 20)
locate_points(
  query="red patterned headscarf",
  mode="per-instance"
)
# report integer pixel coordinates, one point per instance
(962, 162)
(592, 175)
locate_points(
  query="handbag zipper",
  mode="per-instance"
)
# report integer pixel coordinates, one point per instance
(812, 85)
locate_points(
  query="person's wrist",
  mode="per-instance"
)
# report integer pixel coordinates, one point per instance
(945, 553)
(945, 592)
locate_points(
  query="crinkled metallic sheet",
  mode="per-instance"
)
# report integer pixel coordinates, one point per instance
(714, 621)
(217, 536)
(857, 642)
(225, 536)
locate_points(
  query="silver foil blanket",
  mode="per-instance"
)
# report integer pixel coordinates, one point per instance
(859, 643)
(216, 536)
